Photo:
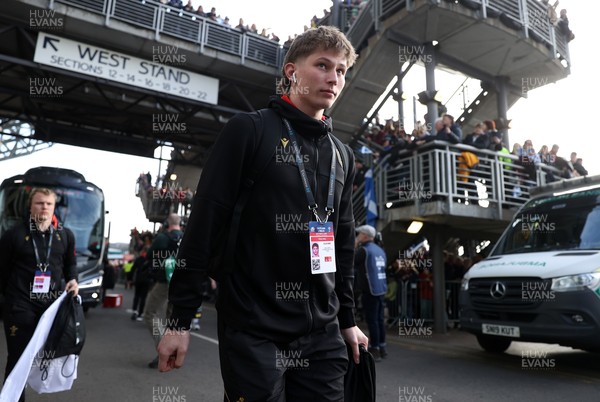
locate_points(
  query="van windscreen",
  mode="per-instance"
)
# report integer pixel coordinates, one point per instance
(569, 222)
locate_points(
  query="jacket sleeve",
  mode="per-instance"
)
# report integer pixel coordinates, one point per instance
(6, 257)
(483, 142)
(452, 137)
(70, 259)
(212, 206)
(344, 244)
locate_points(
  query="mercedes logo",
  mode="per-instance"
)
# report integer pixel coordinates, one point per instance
(498, 290)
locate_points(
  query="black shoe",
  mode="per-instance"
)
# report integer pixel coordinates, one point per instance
(133, 316)
(154, 363)
(383, 352)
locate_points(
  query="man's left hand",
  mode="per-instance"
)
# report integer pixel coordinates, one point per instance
(354, 337)
(72, 286)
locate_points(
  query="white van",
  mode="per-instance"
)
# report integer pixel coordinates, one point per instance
(541, 281)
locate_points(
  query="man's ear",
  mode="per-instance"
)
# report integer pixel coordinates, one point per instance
(289, 70)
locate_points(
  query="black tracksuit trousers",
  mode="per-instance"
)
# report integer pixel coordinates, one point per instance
(311, 368)
(19, 326)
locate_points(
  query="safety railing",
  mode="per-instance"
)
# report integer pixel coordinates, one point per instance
(441, 171)
(388, 7)
(90, 5)
(168, 20)
(528, 16)
(536, 21)
(409, 306)
(179, 23)
(131, 12)
(509, 8)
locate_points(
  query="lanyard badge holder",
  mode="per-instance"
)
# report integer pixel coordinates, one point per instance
(41, 279)
(321, 234)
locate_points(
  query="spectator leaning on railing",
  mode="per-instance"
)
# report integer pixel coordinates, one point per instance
(478, 138)
(563, 26)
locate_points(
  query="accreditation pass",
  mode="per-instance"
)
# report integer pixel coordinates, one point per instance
(322, 247)
(41, 282)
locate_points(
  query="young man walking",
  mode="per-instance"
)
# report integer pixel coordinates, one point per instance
(283, 312)
(35, 257)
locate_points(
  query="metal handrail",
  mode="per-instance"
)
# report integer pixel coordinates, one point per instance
(525, 15)
(434, 171)
(163, 19)
(167, 20)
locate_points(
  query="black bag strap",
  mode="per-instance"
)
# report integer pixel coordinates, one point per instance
(262, 157)
(343, 152)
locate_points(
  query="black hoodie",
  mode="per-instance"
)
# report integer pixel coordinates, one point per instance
(18, 264)
(271, 292)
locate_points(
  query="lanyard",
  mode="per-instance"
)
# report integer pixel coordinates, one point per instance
(42, 266)
(312, 204)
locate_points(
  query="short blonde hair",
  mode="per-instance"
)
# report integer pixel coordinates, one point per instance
(313, 39)
(42, 190)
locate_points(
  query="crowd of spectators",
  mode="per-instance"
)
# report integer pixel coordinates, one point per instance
(391, 139)
(164, 197)
(350, 10)
(561, 22)
(410, 285)
(528, 158)
(213, 15)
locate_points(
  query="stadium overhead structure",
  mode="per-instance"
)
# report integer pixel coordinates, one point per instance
(16, 140)
(128, 76)
(508, 45)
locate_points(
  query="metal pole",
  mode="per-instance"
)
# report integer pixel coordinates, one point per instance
(501, 86)
(400, 101)
(404, 306)
(335, 14)
(439, 290)
(432, 106)
(159, 165)
(414, 112)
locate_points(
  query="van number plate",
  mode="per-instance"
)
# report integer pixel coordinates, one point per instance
(500, 330)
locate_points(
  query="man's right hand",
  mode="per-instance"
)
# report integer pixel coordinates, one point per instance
(172, 349)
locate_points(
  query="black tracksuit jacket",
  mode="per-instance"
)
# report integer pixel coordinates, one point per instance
(271, 254)
(18, 265)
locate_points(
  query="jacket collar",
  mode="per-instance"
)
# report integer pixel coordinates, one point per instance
(302, 123)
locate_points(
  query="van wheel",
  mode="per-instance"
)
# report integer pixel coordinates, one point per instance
(493, 344)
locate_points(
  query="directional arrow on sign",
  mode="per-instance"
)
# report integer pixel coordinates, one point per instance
(48, 41)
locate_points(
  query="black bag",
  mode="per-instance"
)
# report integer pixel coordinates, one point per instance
(359, 381)
(67, 334)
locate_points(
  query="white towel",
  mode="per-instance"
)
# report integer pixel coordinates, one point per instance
(15, 383)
